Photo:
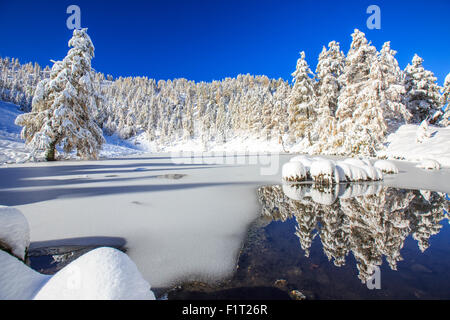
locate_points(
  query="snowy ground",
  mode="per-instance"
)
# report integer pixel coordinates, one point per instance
(403, 145)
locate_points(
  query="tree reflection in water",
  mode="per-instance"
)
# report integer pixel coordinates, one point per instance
(371, 221)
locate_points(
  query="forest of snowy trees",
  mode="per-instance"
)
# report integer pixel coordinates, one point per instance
(347, 106)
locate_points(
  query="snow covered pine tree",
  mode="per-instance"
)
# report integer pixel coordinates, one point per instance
(63, 106)
(446, 102)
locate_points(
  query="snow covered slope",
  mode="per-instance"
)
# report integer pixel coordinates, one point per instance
(403, 145)
(12, 148)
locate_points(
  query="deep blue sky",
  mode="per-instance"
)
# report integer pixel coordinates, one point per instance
(204, 40)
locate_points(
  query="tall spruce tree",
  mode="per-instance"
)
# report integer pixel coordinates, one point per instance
(64, 105)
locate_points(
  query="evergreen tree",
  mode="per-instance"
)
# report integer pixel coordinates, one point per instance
(422, 91)
(302, 100)
(445, 101)
(63, 106)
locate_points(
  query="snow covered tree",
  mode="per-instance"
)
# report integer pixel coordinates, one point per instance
(302, 100)
(422, 92)
(329, 68)
(64, 105)
(379, 108)
(445, 100)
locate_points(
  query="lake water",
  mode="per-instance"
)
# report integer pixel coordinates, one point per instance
(363, 241)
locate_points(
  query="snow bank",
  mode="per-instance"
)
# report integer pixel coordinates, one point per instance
(101, 274)
(14, 232)
(429, 164)
(402, 145)
(386, 166)
(293, 171)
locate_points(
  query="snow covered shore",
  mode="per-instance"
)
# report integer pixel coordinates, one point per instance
(403, 145)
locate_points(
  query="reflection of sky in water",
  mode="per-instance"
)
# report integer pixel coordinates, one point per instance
(344, 233)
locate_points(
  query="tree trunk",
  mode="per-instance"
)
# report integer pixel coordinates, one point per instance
(50, 153)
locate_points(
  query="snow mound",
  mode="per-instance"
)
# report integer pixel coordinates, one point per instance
(101, 274)
(429, 164)
(324, 172)
(14, 232)
(17, 280)
(294, 172)
(386, 166)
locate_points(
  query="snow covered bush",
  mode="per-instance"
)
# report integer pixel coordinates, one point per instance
(101, 274)
(294, 172)
(324, 172)
(64, 105)
(386, 166)
(14, 232)
(429, 164)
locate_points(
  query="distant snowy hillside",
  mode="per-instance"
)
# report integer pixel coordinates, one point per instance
(13, 150)
(403, 145)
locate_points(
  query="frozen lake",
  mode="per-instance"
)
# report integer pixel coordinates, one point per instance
(182, 220)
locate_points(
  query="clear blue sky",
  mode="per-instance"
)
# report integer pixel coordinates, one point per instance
(204, 40)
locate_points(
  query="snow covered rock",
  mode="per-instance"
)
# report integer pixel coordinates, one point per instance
(324, 172)
(294, 171)
(386, 166)
(101, 274)
(429, 164)
(14, 232)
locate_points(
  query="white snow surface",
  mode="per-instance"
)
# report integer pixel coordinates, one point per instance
(403, 145)
(14, 231)
(100, 274)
